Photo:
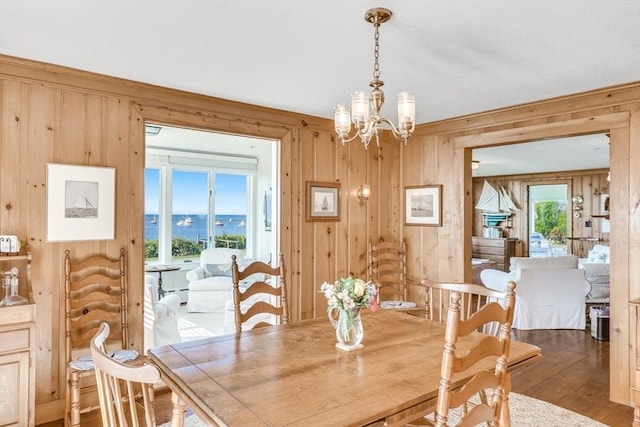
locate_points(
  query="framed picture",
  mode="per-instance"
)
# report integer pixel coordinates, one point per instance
(80, 202)
(423, 205)
(322, 201)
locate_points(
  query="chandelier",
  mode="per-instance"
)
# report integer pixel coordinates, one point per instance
(369, 125)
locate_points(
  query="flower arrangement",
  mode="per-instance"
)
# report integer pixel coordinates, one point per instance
(349, 293)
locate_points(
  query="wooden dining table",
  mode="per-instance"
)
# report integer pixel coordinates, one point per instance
(293, 375)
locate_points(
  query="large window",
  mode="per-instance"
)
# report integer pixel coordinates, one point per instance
(548, 227)
(188, 209)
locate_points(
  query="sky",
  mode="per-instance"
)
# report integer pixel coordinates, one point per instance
(190, 193)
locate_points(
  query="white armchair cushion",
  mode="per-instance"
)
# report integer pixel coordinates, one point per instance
(213, 283)
(521, 263)
(598, 276)
(495, 279)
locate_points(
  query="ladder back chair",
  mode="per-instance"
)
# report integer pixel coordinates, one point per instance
(387, 267)
(263, 297)
(95, 292)
(120, 385)
(497, 380)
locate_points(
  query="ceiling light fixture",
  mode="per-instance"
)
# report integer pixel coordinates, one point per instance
(368, 126)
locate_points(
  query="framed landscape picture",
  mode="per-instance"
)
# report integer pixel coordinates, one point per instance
(423, 205)
(322, 200)
(80, 202)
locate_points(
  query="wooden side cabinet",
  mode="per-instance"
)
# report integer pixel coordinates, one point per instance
(498, 250)
(17, 365)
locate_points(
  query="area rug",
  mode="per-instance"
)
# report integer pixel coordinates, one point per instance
(525, 412)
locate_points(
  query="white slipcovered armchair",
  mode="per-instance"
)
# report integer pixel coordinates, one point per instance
(210, 284)
(160, 317)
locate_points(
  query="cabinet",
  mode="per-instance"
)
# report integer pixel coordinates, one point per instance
(498, 250)
(17, 350)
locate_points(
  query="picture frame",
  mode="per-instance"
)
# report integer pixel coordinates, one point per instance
(322, 200)
(423, 205)
(80, 202)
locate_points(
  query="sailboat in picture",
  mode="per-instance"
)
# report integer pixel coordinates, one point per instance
(496, 205)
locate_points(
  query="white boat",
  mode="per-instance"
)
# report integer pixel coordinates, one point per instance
(219, 224)
(242, 224)
(496, 205)
(185, 222)
(154, 220)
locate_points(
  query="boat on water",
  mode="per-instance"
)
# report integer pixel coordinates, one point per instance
(219, 224)
(154, 220)
(187, 221)
(496, 205)
(242, 224)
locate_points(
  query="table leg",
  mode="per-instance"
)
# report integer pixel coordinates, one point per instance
(160, 290)
(505, 417)
(179, 409)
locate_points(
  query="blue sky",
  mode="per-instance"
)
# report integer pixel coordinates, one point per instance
(190, 191)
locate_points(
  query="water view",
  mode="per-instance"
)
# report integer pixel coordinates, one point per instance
(194, 227)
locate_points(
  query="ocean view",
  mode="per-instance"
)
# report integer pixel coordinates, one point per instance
(192, 227)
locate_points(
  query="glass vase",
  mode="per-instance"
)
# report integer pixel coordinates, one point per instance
(10, 285)
(348, 326)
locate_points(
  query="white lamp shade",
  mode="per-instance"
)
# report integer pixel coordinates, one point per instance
(406, 108)
(342, 119)
(360, 107)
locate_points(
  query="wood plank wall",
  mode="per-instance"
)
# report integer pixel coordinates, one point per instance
(589, 184)
(55, 114)
(439, 153)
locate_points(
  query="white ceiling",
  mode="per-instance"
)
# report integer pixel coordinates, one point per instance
(458, 57)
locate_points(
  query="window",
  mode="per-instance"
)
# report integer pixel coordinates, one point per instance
(189, 209)
(548, 227)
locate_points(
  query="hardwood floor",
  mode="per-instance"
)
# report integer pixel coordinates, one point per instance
(574, 374)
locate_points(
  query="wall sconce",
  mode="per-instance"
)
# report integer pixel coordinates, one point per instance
(475, 164)
(363, 193)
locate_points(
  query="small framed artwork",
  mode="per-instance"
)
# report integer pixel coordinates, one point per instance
(423, 205)
(80, 202)
(322, 201)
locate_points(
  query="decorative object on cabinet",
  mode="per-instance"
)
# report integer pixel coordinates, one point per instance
(322, 201)
(577, 206)
(80, 202)
(9, 244)
(17, 346)
(95, 292)
(423, 205)
(498, 250)
(496, 205)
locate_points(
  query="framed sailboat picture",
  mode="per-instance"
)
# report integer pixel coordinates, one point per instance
(322, 201)
(80, 202)
(423, 205)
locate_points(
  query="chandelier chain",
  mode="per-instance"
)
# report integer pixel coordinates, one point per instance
(376, 52)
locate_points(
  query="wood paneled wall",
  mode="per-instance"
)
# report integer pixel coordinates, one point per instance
(59, 115)
(589, 184)
(440, 153)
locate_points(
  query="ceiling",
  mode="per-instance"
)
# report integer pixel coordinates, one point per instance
(458, 57)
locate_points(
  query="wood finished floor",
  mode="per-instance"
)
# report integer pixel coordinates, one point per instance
(574, 374)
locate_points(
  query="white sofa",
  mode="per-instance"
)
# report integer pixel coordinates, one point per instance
(210, 284)
(550, 294)
(160, 317)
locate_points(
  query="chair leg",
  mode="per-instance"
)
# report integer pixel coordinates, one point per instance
(74, 399)
(179, 408)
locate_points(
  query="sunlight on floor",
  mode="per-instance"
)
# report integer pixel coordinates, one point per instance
(193, 326)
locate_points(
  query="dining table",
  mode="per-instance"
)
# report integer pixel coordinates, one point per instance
(294, 375)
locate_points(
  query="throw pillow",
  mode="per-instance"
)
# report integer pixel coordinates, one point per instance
(219, 270)
(595, 257)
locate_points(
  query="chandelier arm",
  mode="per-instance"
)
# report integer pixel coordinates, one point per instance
(398, 133)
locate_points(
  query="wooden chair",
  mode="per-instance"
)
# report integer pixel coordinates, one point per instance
(95, 292)
(490, 346)
(388, 270)
(261, 297)
(119, 386)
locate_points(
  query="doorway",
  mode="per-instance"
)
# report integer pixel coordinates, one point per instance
(547, 223)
